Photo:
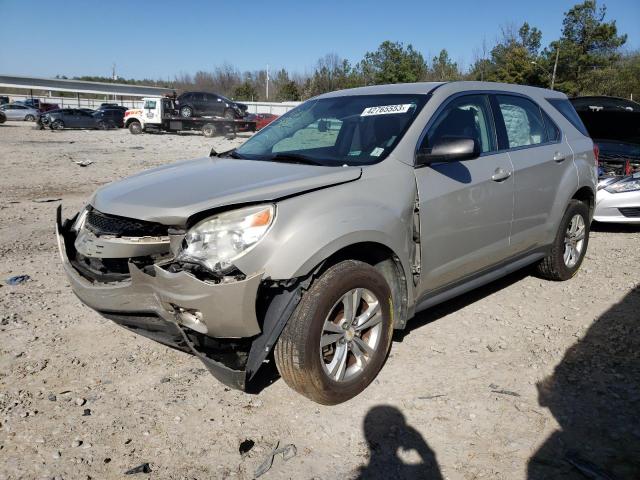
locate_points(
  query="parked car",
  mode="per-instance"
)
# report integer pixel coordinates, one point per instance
(203, 104)
(264, 119)
(323, 233)
(604, 103)
(614, 125)
(46, 107)
(15, 111)
(113, 116)
(75, 118)
(31, 102)
(110, 106)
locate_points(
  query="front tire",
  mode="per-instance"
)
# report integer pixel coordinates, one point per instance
(186, 111)
(338, 337)
(570, 245)
(29, 118)
(229, 115)
(57, 125)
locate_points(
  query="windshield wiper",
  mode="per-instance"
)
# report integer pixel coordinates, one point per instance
(294, 158)
(229, 153)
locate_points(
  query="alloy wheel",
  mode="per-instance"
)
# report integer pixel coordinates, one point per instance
(574, 240)
(351, 334)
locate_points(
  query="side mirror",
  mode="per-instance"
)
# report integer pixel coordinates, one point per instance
(449, 149)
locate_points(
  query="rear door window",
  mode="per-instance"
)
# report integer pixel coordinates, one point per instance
(522, 120)
(564, 106)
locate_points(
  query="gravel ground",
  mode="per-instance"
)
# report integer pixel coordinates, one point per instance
(524, 378)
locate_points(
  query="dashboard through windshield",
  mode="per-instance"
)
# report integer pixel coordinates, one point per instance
(336, 131)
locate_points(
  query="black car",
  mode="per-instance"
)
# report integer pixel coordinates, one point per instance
(204, 104)
(614, 125)
(113, 116)
(75, 118)
(112, 106)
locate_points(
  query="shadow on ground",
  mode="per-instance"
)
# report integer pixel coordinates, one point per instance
(388, 435)
(594, 394)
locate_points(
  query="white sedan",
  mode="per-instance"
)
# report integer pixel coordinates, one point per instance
(618, 199)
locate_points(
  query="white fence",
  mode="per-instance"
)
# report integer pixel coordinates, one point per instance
(71, 102)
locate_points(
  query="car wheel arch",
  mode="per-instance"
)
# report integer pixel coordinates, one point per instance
(586, 195)
(375, 252)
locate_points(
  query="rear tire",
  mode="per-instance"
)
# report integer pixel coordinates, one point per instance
(186, 111)
(209, 130)
(135, 128)
(570, 245)
(355, 346)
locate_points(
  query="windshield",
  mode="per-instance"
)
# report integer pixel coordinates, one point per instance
(351, 130)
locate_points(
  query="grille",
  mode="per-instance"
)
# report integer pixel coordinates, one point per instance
(633, 212)
(103, 224)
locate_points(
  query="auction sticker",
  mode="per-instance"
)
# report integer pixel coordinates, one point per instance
(386, 109)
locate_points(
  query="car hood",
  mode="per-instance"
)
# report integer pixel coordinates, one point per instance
(172, 193)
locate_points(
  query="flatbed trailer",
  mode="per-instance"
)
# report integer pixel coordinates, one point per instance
(160, 115)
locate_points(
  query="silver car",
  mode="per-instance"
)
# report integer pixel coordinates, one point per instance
(618, 199)
(335, 225)
(15, 111)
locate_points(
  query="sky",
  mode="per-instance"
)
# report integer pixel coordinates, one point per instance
(159, 39)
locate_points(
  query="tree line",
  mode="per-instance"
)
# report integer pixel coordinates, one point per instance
(588, 59)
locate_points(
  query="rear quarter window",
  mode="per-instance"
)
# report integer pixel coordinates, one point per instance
(565, 107)
(553, 132)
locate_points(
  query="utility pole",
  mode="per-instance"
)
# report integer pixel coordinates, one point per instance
(113, 76)
(267, 81)
(555, 66)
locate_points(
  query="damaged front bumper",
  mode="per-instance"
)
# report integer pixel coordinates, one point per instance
(215, 321)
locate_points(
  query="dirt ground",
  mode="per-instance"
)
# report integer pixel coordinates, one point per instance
(524, 378)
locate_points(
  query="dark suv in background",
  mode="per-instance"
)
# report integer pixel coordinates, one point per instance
(203, 104)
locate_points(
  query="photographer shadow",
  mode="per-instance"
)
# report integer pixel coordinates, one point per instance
(387, 432)
(594, 394)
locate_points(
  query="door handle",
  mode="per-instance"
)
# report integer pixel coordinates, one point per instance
(559, 157)
(500, 175)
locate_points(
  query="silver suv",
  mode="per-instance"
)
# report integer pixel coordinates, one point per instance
(335, 225)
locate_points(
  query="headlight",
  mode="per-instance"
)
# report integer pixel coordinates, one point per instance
(219, 240)
(629, 184)
(80, 219)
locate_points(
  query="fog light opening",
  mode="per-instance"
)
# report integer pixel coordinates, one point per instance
(191, 319)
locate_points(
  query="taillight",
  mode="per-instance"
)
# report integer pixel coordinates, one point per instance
(596, 152)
